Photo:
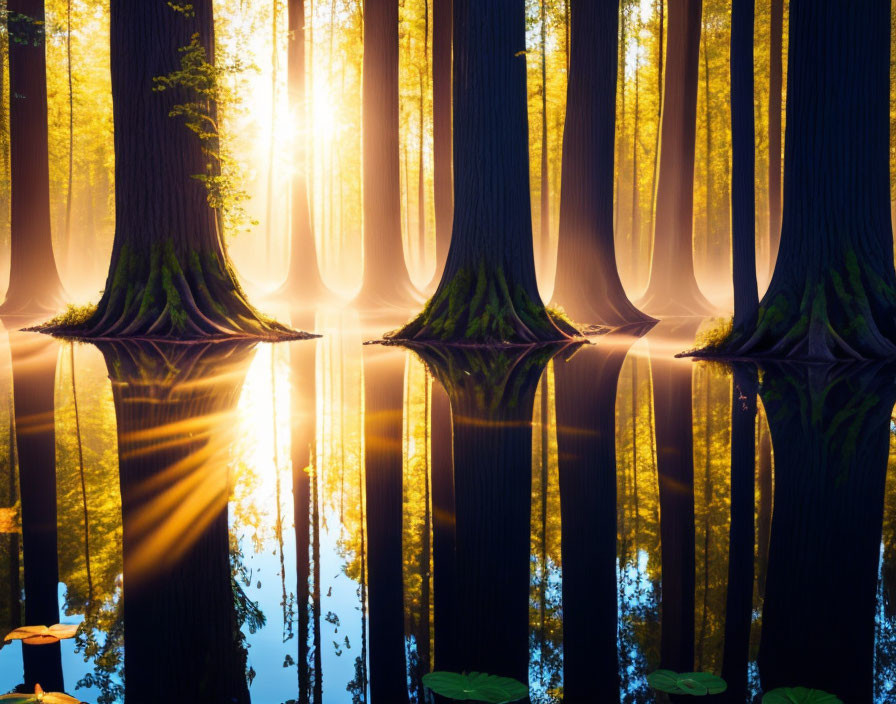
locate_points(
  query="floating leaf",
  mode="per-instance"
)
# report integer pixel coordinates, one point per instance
(41, 635)
(476, 686)
(39, 696)
(697, 684)
(799, 695)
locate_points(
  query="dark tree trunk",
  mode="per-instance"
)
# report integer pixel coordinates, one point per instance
(443, 533)
(488, 292)
(302, 359)
(586, 442)
(303, 282)
(34, 381)
(175, 540)
(833, 292)
(673, 289)
(169, 276)
(34, 286)
(386, 280)
(831, 434)
(588, 285)
(675, 466)
(442, 22)
(743, 165)
(741, 535)
(383, 414)
(775, 100)
(492, 394)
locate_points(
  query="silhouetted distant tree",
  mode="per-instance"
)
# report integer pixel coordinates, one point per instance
(34, 286)
(588, 285)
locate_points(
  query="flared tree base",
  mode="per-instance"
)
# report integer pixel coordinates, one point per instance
(33, 305)
(683, 301)
(846, 316)
(479, 309)
(168, 299)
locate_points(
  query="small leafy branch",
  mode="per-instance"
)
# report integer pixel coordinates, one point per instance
(203, 81)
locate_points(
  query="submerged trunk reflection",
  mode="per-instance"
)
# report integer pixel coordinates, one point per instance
(182, 607)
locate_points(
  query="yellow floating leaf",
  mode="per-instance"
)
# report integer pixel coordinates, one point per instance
(9, 520)
(39, 635)
(39, 697)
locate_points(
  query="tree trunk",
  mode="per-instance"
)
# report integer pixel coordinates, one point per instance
(488, 292)
(833, 292)
(831, 432)
(586, 442)
(545, 209)
(175, 540)
(775, 99)
(169, 277)
(303, 282)
(384, 371)
(386, 280)
(743, 172)
(34, 377)
(34, 286)
(672, 289)
(442, 30)
(588, 284)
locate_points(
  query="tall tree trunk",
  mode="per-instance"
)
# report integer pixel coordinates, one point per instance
(488, 291)
(833, 292)
(421, 171)
(384, 371)
(67, 241)
(635, 232)
(660, 10)
(545, 209)
(588, 284)
(169, 277)
(586, 442)
(442, 31)
(743, 172)
(621, 80)
(304, 279)
(672, 289)
(34, 377)
(34, 286)
(707, 155)
(269, 189)
(386, 280)
(775, 100)
(826, 531)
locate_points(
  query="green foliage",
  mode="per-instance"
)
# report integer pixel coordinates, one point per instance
(73, 317)
(476, 686)
(203, 82)
(697, 684)
(717, 335)
(799, 695)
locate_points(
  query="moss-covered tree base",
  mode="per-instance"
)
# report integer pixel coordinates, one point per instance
(167, 298)
(480, 309)
(846, 315)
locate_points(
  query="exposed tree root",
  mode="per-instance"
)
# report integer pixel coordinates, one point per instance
(481, 310)
(163, 300)
(843, 317)
(32, 306)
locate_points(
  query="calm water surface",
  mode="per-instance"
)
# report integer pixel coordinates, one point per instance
(325, 521)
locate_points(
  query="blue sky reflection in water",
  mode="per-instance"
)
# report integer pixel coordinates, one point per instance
(251, 443)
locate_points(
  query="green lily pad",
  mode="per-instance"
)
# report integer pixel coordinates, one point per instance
(697, 684)
(476, 686)
(799, 695)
